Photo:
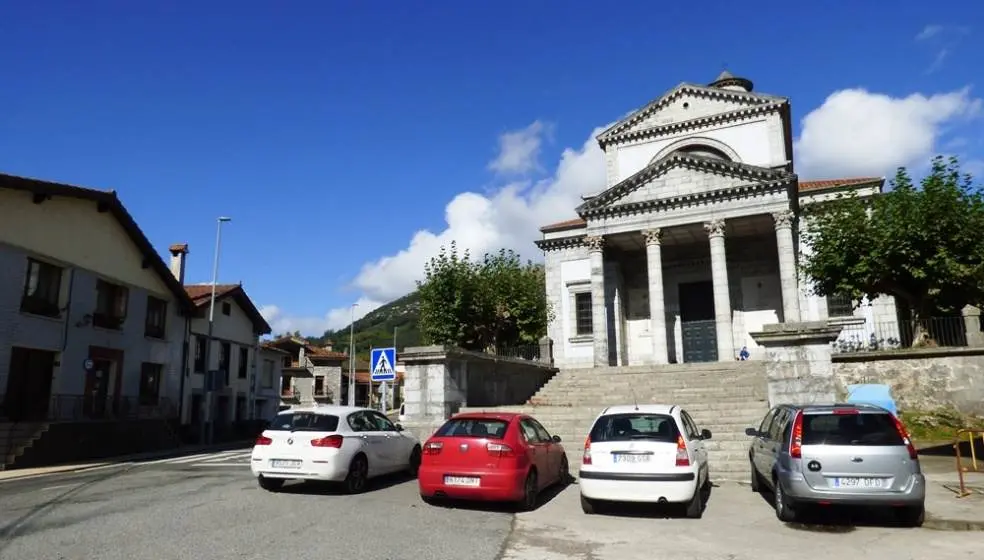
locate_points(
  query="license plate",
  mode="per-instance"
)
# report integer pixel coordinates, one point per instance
(471, 481)
(629, 458)
(285, 464)
(854, 482)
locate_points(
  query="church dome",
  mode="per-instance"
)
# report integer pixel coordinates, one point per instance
(727, 80)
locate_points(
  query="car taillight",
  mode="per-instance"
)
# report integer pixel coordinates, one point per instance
(796, 445)
(328, 441)
(263, 440)
(586, 458)
(682, 457)
(904, 434)
(433, 447)
(498, 449)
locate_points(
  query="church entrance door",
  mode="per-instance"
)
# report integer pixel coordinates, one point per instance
(697, 318)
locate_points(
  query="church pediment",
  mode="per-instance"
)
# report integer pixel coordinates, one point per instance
(679, 176)
(690, 103)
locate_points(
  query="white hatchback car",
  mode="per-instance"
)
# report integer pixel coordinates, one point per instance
(332, 443)
(647, 453)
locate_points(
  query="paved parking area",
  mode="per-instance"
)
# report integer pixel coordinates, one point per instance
(207, 506)
(737, 525)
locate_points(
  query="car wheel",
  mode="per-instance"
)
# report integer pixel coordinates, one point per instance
(695, 507)
(270, 484)
(785, 511)
(756, 481)
(414, 465)
(587, 505)
(530, 492)
(358, 475)
(912, 516)
(564, 477)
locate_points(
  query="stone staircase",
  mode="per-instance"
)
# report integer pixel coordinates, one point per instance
(16, 438)
(724, 397)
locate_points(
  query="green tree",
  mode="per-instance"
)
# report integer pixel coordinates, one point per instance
(482, 305)
(924, 246)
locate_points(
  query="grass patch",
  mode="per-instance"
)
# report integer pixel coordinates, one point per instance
(938, 425)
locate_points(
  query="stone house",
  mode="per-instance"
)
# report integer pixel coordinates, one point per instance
(311, 374)
(693, 242)
(92, 323)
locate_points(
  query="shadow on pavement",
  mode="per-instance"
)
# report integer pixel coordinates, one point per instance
(317, 488)
(546, 496)
(650, 510)
(837, 519)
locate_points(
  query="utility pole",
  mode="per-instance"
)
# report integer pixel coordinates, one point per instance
(351, 384)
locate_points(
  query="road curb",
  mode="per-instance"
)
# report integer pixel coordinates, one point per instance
(942, 524)
(121, 460)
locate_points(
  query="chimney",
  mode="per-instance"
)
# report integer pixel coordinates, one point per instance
(328, 346)
(178, 252)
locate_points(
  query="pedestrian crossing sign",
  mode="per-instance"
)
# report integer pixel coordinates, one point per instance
(383, 364)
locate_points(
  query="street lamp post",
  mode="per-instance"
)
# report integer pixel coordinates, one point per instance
(209, 375)
(351, 389)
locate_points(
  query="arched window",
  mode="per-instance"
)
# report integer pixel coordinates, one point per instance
(704, 151)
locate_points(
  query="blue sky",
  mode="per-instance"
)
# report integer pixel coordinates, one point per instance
(348, 140)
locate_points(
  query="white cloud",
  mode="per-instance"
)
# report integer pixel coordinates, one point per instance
(929, 31)
(316, 326)
(859, 133)
(519, 151)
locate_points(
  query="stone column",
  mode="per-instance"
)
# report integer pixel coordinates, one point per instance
(787, 266)
(599, 312)
(657, 312)
(722, 293)
(972, 324)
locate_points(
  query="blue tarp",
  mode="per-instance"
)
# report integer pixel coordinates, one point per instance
(870, 393)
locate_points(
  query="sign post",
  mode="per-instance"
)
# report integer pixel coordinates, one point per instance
(382, 367)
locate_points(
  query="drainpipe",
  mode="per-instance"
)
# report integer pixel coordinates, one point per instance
(68, 324)
(184, 370)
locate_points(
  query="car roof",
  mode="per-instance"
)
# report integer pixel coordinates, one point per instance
(645, 408)
(332, 409)
(504, 416)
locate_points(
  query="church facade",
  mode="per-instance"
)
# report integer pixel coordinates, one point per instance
(693, 242)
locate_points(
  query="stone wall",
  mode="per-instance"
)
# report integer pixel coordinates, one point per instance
(798, 359)
(441, 380)
(921, 379)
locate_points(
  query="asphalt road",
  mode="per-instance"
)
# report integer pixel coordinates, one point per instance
(210, 507)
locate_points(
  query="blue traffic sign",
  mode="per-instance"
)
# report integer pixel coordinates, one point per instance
(382, 364)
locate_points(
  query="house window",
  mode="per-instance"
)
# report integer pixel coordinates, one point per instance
(225, 355)
(156, 317)
(200, 354)
(226, 308)
(839, 306)
(150, 383)
(243, 361)
(319, 385)
(267, 380)
(111, 300)
(582, 313)
(42, 287)
(288, 362)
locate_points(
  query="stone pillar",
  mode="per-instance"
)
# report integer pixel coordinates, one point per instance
(972, 324)
(722, 293)
(599, 311)
(657, 312)
(799, 366)
(787, 266)
(546, 350)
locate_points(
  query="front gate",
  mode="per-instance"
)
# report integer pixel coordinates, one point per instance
(700, 341)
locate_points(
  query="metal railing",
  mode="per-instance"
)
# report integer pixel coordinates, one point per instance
(523, 352)
(971, 435)
(894, 335)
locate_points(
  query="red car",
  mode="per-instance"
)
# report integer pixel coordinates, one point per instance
(493, 457)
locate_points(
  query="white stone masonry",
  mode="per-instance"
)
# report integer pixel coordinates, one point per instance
(787, 266)
(722, 294)
(657, 312)
(599, 312)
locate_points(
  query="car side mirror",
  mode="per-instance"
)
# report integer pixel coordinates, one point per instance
(751, 432)
(556, 439)
(399, 427)
(705, 434)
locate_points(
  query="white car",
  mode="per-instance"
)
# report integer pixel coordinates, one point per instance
(647, 453)
(332, 443)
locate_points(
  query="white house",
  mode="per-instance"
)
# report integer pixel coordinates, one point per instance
(693, 242)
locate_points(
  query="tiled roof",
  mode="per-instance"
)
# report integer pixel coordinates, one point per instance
(804, 186)
(201, 296)
(313, 352)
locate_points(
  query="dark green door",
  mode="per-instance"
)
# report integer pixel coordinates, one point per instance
(697, 316)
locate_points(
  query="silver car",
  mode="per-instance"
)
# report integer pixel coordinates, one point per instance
(843, 454)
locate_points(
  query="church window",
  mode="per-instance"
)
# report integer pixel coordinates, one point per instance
(839, 306)
(582, 313)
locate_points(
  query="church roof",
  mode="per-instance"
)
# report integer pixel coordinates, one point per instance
(804, 186)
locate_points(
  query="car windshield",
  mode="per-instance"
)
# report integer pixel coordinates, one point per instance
(850, 429)
(633, 426)
(303, 422)
(473, 427)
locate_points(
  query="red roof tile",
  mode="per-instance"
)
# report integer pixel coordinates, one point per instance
(201, 294)
(566, 224)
